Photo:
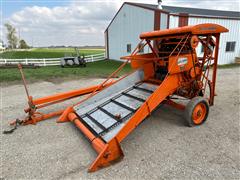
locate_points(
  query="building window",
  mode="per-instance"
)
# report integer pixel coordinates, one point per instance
(129, 50)
(141, 47)
(230, 46)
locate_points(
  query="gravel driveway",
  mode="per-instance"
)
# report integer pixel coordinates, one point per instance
(162, 147)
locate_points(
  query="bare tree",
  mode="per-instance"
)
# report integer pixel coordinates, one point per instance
(11, 36)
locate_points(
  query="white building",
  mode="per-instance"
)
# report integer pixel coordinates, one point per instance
(122, 34)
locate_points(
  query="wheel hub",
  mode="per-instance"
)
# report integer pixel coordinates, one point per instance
(199, 113)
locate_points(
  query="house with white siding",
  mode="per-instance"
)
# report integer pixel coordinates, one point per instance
(122, 34)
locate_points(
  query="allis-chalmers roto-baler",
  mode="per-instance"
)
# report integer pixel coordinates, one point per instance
(111, 110)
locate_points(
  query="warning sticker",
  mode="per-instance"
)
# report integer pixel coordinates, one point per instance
(182, 61)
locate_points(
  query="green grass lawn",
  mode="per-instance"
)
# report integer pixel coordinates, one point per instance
(100, 69)
(233, 65)
(46, 53)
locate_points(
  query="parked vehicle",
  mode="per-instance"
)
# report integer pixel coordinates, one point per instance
(74, 61)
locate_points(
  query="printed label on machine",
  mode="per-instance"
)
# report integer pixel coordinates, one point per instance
(182, 61)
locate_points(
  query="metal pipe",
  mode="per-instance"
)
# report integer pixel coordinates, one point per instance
(215, 68)
(96, 142)
(24, 82)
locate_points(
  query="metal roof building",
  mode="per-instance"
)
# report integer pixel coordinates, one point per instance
(122, 34)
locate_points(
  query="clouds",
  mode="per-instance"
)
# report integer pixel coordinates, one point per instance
(80, 22)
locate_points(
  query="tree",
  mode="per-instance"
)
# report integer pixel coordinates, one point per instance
(23, 44)
(11, 36)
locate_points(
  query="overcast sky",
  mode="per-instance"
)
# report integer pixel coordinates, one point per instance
(79, 22)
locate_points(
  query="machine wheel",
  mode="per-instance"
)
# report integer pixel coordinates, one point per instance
(76, 61)
(70, 62)
(63, 63)
(196, 111)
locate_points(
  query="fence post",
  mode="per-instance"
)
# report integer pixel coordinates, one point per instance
(26, 61)
(5, 61)
(44, 62)
(92, 57)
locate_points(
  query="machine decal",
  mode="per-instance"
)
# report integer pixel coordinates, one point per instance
(182, 61)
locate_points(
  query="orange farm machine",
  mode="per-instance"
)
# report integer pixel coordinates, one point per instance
(111, 110)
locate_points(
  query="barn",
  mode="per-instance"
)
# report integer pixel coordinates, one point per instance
(122, 34)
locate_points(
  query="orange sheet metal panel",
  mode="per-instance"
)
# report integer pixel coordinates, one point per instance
(196, 29)
(137, 61)
(179, 64)
(168, 86)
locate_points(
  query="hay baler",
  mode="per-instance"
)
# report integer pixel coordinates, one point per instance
(113, 109)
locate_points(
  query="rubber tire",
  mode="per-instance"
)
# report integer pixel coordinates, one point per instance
(70, 62)
(191, 106)
(76, 61)
(63, 62)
